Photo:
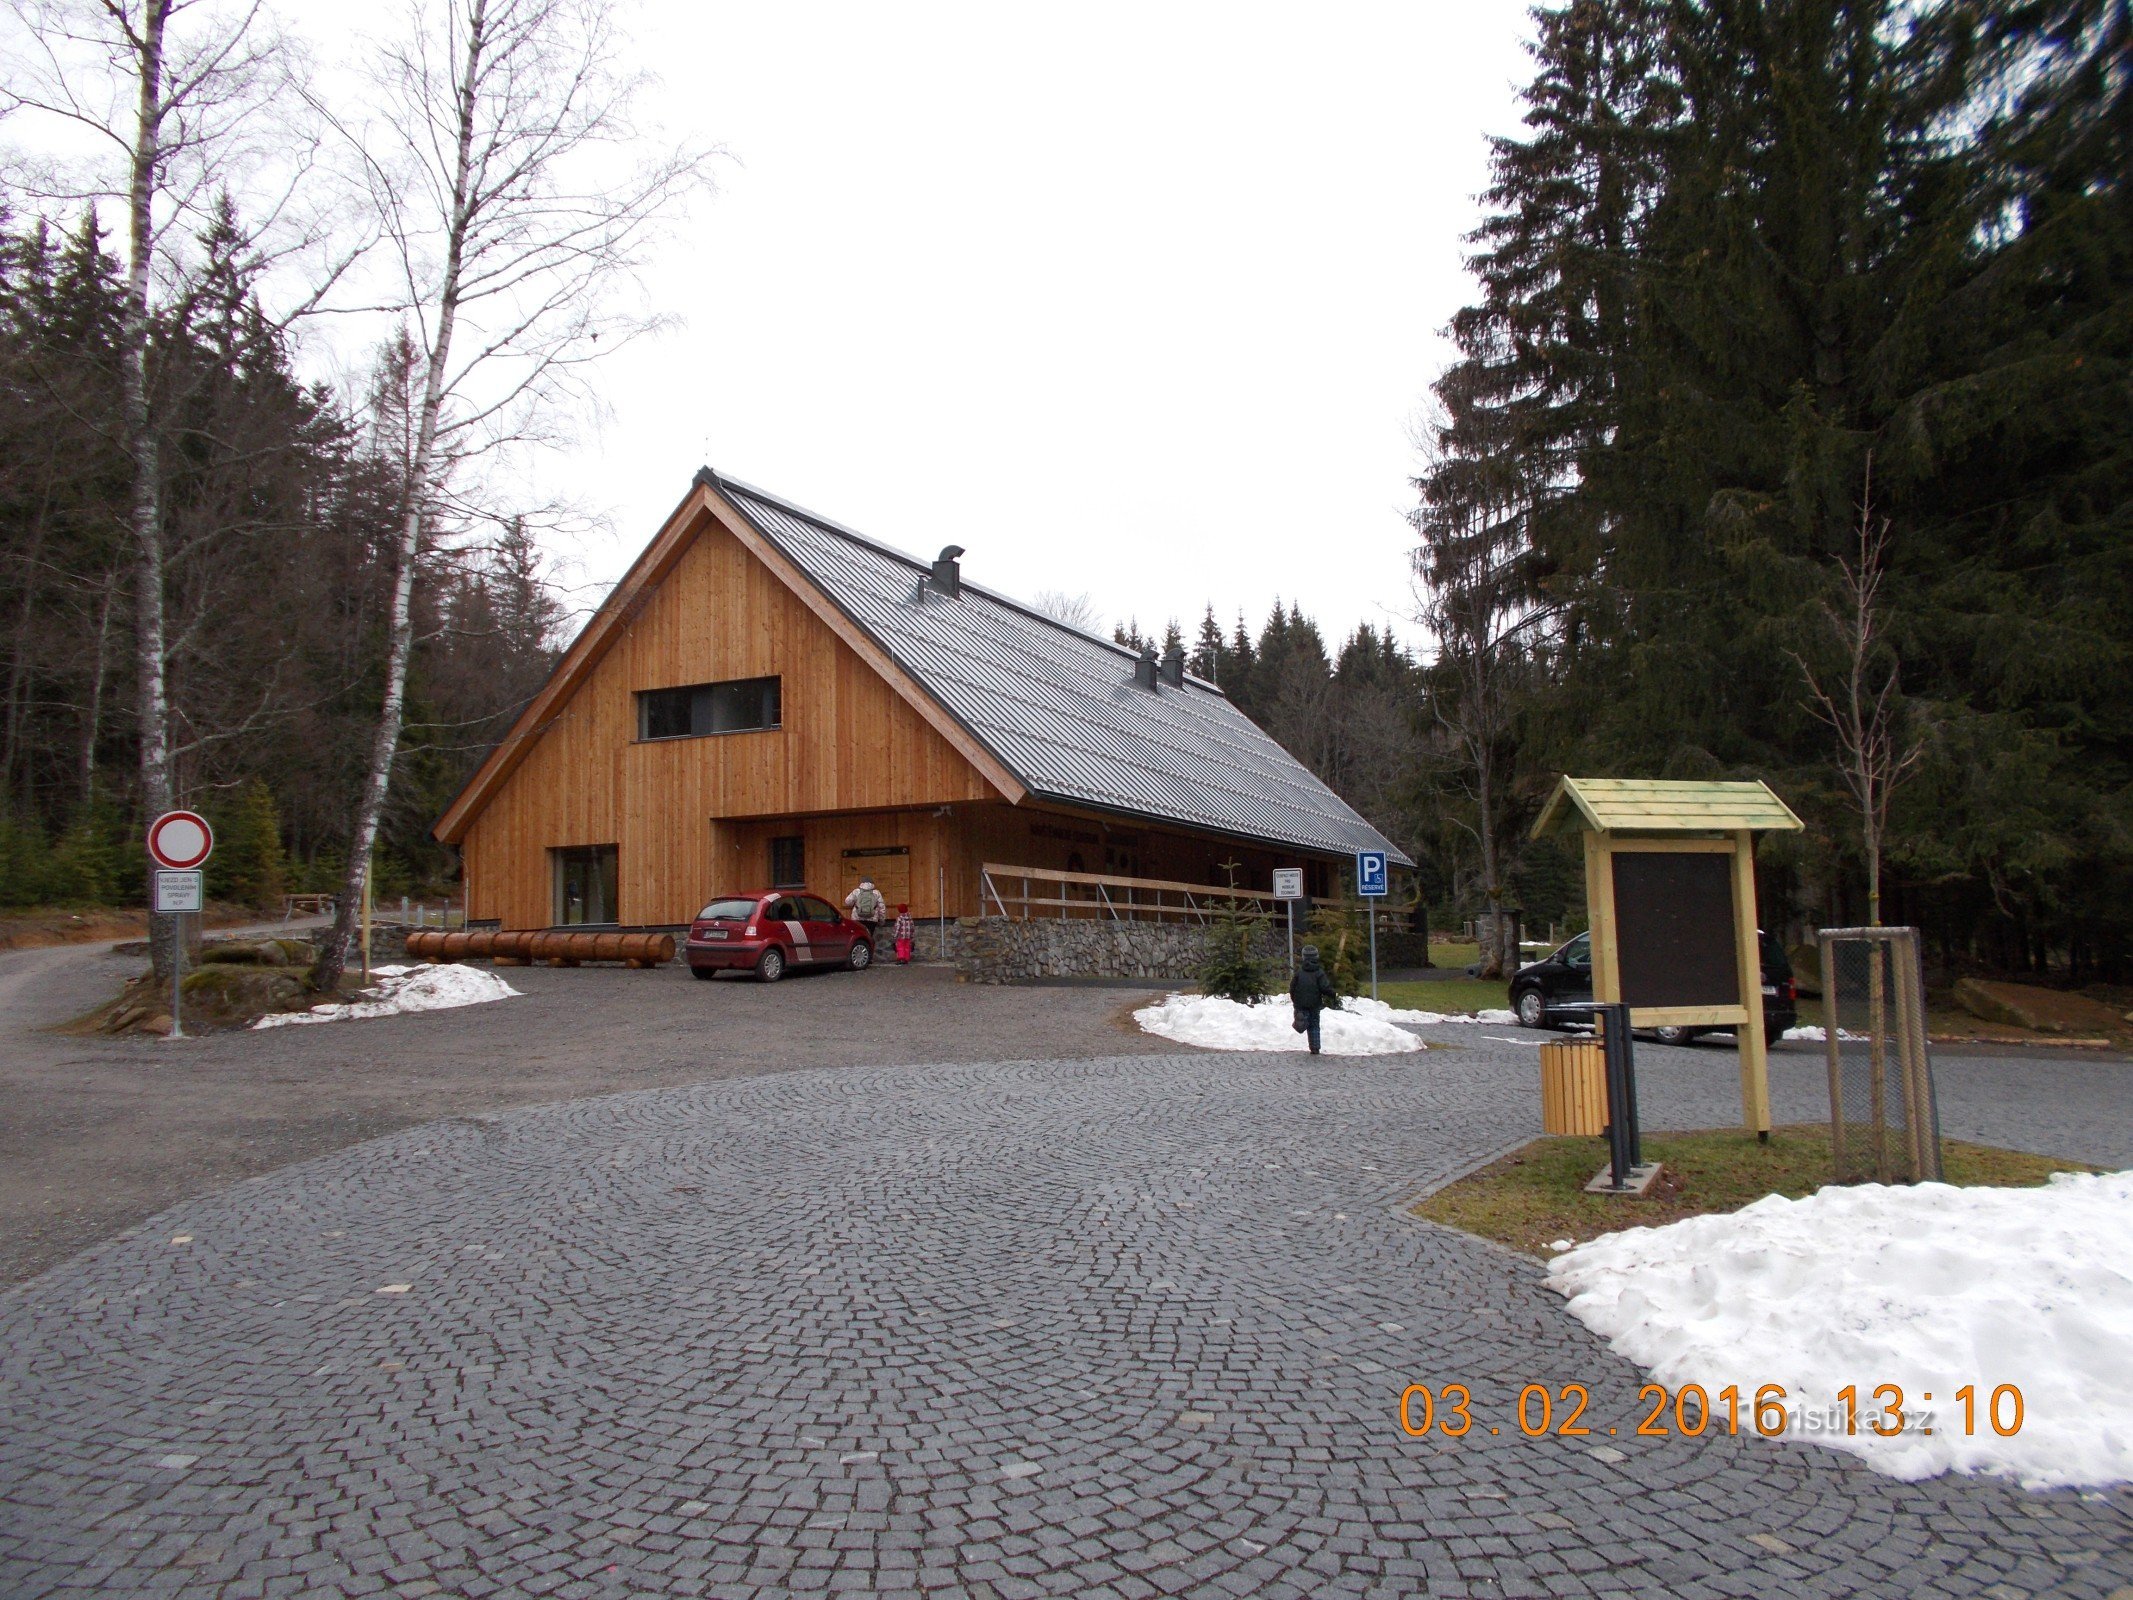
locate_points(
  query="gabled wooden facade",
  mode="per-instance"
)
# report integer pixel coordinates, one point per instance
(864, 773)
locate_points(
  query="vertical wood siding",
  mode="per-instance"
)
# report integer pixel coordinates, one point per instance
(849, 743)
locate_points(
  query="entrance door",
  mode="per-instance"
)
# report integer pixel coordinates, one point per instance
(889, 867)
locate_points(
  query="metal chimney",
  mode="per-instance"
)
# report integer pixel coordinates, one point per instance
(1145, 669)
(1174, 665)
(947, 574)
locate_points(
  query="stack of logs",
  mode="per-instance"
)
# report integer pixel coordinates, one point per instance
(518, 948)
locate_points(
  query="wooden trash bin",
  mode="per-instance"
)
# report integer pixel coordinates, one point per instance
(1573, 1087)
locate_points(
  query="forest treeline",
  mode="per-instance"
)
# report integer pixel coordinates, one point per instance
(302, 607)
(1800, 359)
(282, 501)
(1794, 404)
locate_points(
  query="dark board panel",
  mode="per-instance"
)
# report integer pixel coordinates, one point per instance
(1674, 928)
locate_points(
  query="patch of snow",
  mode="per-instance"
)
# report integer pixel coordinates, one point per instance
(1808, 1033)
(400, 990)
(1422, 1019)
(1361, 1028)
(1930, 1288)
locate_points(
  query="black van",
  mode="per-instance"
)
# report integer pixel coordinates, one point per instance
(1541, 991)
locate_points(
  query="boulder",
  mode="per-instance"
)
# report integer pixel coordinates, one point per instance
(245, 953)
(231, 991)
(2022, 1005)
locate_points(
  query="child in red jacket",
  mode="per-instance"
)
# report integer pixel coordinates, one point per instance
(904, 932)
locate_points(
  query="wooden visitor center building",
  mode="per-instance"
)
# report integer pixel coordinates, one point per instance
(768, 699)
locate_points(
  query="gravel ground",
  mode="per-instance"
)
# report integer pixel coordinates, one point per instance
(97, 1133)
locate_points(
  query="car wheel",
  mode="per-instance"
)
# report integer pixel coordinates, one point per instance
(1772, 1032)
(706, 974)
(771, 967)
(862, 956)
(1532, 1009)
(1673, 1035)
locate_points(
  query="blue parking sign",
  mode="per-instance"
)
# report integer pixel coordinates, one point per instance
(1371, 879)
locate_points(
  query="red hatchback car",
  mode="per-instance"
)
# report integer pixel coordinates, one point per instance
(771, 930)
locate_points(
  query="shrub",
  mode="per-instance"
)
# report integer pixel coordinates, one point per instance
(1234, 966)
(1343, 939)
(247, 866)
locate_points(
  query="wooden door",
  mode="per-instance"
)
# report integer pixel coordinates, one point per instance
(889, 867)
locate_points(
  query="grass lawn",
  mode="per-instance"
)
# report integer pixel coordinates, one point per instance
(1453, 994)
(1536, 1195)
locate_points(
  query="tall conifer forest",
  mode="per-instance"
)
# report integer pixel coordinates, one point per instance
(1758, 278)
(282, 500)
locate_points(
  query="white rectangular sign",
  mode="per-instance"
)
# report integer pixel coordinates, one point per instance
(179, 891)
(1288, 883)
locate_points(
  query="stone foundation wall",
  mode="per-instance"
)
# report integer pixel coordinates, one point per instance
(1001, 950)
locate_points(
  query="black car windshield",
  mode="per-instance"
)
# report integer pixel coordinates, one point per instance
(727, 911)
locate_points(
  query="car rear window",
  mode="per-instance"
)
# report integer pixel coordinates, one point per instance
(727, 911)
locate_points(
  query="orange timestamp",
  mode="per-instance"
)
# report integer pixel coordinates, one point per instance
(1689, 1411)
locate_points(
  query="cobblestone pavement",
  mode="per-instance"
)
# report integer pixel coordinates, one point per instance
(1127, 1327)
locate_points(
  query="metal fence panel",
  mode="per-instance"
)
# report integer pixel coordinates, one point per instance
(1883, 1122)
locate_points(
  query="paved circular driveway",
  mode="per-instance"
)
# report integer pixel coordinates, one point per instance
(1131, 1327)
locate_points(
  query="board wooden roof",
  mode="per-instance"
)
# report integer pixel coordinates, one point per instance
(1665, 805)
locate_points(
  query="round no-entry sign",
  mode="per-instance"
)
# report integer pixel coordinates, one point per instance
(180, 840)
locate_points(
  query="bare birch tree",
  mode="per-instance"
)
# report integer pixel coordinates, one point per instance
(168, 102)
(1859, 700)
(516, 199)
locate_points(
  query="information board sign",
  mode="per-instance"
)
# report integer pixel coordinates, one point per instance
(179, 891)
(1288, 883)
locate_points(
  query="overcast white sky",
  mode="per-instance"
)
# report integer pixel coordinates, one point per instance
(1131, 299)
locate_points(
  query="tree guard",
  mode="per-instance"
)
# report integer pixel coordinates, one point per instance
(1670, 889)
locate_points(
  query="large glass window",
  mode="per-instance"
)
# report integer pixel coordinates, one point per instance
(742, 706)
(584, 885)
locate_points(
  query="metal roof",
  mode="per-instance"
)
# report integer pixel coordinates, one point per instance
(1058, 707)
(1665, 805)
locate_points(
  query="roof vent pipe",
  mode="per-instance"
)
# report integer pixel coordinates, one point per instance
(1145, 669)
(1174, 665)
(947, 574)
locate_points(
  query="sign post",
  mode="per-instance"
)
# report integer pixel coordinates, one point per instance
(1289, 888)
(179, 842)
(1372, 882)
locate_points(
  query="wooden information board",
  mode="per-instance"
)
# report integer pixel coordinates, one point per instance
(1674, 927)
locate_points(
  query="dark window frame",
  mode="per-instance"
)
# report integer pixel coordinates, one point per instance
(692, 704)
(794, 856)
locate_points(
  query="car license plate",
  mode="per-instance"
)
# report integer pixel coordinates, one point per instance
(1770, 988)
(720, 933)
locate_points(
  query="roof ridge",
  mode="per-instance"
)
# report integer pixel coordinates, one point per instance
(922, 566)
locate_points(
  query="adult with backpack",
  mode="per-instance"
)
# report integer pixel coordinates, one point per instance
(866, 905)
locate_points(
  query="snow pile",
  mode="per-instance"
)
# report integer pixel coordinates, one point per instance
(1808, 1033)
(1421, 1019)
(1930, 1288)
(1360, 1028)
(403, 989)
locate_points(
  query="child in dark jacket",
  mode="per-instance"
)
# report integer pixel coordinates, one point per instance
(1311, 991)
(905, 930)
